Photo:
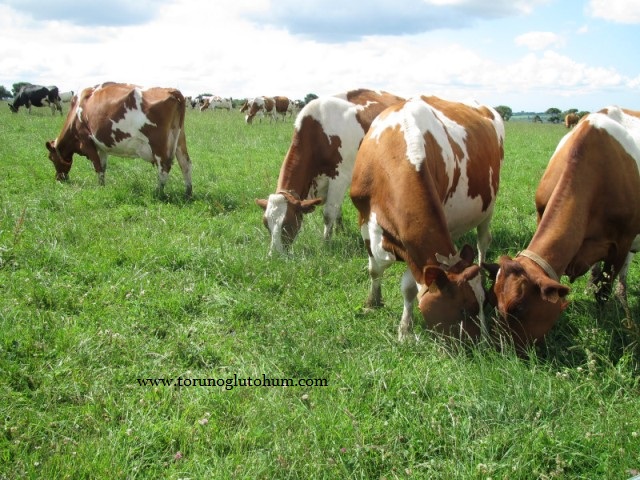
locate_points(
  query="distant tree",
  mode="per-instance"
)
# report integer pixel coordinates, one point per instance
(238, 102)
(4, 93)
(504, 111)
(18, 86)
(309, 97)
(571, 110)
(537, 119)
(554, 115)
(582, 113)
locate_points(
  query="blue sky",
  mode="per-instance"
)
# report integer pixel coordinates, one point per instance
(527, 54)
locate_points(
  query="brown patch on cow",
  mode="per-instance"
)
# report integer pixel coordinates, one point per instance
(319, 152)
(481, 145)
(374, 103)
(281, 104)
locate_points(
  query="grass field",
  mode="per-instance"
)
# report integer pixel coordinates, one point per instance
(103, 286)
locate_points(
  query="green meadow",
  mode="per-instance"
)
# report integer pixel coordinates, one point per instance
(130, 325)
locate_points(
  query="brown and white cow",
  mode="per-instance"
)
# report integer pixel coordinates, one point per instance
(318, 165)
(216, 102)
(571, 120)
(587, 204)
(127, 121)
(259, 106)
(427, 172)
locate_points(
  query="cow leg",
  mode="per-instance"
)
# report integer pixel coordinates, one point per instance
(621, 289)
(164, 167)
(185, 164)
(484, 239)
(379, 260)
(99, 161)
(601, 281)
(377, 267)
(409, 292)
(330, 213)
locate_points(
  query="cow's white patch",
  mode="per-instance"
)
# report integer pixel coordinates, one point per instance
(476, 285)
(274, 214)
(624, 128)
(135, 143)
(374, 235)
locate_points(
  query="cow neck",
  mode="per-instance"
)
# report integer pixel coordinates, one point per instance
(427, 238)
(295, 179)
(562, 229)
(67, 138)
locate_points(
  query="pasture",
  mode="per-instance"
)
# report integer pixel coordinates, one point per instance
(106, 286)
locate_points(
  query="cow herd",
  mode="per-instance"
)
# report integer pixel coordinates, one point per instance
(421, 173)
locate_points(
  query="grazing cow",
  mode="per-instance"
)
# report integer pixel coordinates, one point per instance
(571, 120)
(127, 121)
(259, 106)
(294, 107)
(317, 168)
(426, 173)
(37, 96)
(587, 205)
(215, 101)
(281, 105)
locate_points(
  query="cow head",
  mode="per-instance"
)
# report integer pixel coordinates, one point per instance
(528, 301)
(61, 165)
(452, 296)
(283, 213)
(13, 108)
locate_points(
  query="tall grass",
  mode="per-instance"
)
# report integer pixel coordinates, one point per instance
(102, 286)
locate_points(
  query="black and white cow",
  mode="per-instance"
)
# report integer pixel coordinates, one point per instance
(37, 96)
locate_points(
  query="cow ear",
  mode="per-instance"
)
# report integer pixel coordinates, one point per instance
(308, 206)
(491, 269)
(552, 291)
(262, 203)
(435, 278)
(469, 273)
(50, 147)
(467, 254)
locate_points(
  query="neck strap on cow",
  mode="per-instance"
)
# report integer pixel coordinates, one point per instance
(541, 262)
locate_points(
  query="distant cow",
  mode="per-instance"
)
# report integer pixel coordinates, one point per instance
(318, 165)
(587, 204)
(259, 106)
(571, 120)
(215, 101)
(281, 106)
(65, 97)
(426, 173)
(127, 121)
(37, 96)
(294, 107)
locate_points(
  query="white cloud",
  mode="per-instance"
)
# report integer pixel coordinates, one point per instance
(619, 11)
(539, 40)
(203, 46)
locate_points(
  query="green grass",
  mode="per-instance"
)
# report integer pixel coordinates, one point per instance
(104, 285)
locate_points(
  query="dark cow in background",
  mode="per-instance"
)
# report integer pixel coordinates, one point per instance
(127, 121)
(36, 96)
(571, 120)
(587, 205)
(317, 168)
